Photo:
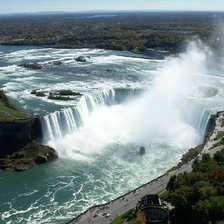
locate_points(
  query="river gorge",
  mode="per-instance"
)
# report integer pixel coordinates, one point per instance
(125, 101)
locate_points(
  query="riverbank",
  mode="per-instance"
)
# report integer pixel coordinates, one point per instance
(20, 134)
(32, 154)
(125, 202)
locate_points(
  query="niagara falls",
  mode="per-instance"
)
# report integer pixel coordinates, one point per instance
(126, 101)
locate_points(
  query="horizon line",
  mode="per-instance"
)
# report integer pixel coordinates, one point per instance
(103, 11)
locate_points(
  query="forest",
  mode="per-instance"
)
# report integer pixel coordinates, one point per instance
(131, 31)
(198, 196)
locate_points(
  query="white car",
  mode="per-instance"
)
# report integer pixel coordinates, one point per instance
(107, 215)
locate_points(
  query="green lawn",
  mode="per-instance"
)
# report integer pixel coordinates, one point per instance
(120, 220)
(7, 113)
(126, 216)
(220, 135)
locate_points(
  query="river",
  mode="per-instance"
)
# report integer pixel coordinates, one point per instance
(127, 101)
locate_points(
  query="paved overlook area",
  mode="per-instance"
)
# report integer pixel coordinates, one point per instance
(128, 201)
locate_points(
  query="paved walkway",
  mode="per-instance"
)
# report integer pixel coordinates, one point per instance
(129, 200)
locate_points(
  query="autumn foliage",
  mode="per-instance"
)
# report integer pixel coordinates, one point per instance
(140, 218)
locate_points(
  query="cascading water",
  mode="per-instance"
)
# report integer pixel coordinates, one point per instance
(127, 102)
(195, 115)
(165, 111)
(57, 124)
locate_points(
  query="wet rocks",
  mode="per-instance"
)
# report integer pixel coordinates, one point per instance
(57, 63)
(38, 93)
(32, 154)
(82, 58)
(33, 66)
(63, 95)
(68, 92)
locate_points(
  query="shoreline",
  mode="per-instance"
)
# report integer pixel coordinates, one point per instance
(149, 53)
(20, 139)
(125, 202)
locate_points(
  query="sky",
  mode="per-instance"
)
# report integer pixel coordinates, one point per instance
(17, 6)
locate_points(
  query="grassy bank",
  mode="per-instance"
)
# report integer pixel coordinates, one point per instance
(8, 111)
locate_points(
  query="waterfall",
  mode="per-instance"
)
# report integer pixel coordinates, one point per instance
(55, 125)
(195, 115)
(67, 120)
(127, 94)
(165, 111)
(203, 122)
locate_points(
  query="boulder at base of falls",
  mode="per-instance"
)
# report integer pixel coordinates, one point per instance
(142, 150)
(32, 154)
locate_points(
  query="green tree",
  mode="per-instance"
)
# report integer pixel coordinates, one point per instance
(207, 192)
(219, 157)
(211, 209)
(183, 197)
(181, 180)
(201, 211)
(170, 185)
(217, 208)
(195, 177)
(205, 165)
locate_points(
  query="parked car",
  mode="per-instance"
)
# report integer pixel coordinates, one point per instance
(107, 215)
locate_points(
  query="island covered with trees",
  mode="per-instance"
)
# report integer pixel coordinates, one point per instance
(132, 31)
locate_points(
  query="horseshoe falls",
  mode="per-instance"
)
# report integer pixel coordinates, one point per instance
(126, 101)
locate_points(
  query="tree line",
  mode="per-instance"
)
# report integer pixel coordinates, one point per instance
(121, 31)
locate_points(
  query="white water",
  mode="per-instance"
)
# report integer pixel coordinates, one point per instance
(127, 102)
(164, 113)
(58, 124)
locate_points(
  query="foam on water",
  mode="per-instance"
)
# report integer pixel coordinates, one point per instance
(98, 135)
(117, 59)
(142, 120)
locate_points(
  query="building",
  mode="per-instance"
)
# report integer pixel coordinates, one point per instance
(152, 207)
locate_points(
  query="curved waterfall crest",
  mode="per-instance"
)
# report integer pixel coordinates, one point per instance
(59, 123)
(165, 110)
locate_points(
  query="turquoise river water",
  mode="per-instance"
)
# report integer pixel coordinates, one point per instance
(127, 101)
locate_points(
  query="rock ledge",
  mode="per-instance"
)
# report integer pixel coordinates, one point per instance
(32, 154)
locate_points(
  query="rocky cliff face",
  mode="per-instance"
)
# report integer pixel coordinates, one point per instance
(36, 129)
(19, 131)
(19, 149)
(16, 134)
